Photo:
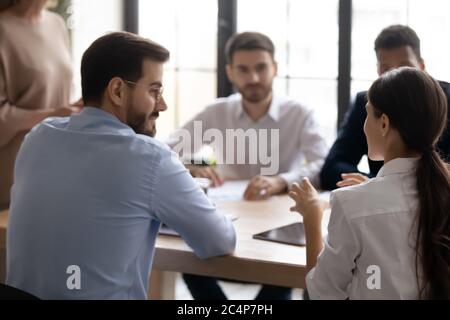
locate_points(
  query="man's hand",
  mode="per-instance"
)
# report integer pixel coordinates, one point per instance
(206, 172)
(262, 187)
(351, 179)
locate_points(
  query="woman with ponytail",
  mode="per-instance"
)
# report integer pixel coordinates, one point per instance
(388, 238)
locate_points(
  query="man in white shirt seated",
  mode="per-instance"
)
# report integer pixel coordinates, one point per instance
(255, 134)
(91, 191)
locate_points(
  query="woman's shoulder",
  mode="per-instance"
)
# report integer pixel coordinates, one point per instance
(56, 25)
(8, 26)
(375, 196)
(53, 18)
(5, 19)
(353, 191)
(9, 22)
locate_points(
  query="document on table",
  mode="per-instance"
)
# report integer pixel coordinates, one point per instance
(229, 191)
(234, 190)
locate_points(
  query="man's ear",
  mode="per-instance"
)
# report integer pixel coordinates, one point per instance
(275, 68)
(229, 71)
(385, 124)
(422, 64)
(115, 91)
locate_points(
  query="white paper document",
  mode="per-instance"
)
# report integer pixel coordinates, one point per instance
(229, 191)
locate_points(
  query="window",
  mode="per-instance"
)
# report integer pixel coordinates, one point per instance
(87, 21)
(306, 50)
(430, 19)
(305, 34)
(189, 30)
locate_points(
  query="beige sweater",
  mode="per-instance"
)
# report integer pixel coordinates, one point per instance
(35, 74)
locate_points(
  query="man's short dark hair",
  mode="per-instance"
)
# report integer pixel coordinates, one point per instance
(118, 54)
(398, 36)
(248, 41)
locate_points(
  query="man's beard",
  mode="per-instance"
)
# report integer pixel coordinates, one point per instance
(258, 94)
(138, 122)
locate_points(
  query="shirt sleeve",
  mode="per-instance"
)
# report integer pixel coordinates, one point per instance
(184, 207)
(313, 149)
(333, 273)
(349, 147)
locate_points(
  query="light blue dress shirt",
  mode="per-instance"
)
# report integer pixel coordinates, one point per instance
(91, 193)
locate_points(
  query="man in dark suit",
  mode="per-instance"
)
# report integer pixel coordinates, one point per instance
(395, 46)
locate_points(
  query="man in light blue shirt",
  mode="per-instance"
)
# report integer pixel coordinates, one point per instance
(90, 191)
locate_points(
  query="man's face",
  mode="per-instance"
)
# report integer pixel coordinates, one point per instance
(252, 73)
(404, 56)
(142, 105)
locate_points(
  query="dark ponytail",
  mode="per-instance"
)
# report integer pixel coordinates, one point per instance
(417, 107)
(433, 227)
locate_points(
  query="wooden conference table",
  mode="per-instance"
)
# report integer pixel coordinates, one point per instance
(253, 260)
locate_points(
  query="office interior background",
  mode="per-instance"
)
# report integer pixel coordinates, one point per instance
(324, 48)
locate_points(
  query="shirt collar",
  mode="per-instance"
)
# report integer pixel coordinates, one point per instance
(398, 165)
(94, 111)
(274, 108)
(98, 120)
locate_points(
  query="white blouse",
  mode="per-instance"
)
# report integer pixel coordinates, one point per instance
(369, 251)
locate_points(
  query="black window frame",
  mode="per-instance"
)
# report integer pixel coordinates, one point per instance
(227, 25)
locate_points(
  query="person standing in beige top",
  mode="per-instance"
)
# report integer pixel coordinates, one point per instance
(35, 77)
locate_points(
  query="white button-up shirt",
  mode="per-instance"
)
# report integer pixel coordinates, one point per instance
(293, 146)
(370, 251)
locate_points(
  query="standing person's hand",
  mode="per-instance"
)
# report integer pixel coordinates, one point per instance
(351, 179)
(64, 111)
(78, 104)
(262, 187)
(206, 172)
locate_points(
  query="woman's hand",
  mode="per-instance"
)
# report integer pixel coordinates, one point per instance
(311, 207)
(78, 104)
(64, 111)
(307, 200)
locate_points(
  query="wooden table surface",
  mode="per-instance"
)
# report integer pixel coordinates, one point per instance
(253, 261)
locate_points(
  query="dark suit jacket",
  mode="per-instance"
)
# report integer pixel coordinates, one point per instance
(351, 144)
